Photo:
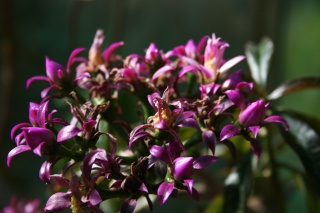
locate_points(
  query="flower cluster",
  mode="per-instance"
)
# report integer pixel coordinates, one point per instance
(189, 90)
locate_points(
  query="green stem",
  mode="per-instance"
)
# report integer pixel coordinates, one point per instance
(66, 152)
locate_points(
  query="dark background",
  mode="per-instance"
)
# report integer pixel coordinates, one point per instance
(31, 30)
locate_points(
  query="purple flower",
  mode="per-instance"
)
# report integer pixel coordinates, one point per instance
(213, 57)
(251, 118)
(35, 136)
(100, 164)
(254, 116)
(165, 120)
(71, 131)
(86, 115)
(138, 64)
(94, 74)
(154, 55)
(214, 65)
(181, 168)
(58, 76)
(190, 50)
(79, 197)
(97, 57)
(232, 81)
(164, 191)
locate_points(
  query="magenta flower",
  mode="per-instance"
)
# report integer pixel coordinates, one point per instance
(35, 136)
(181, 169)
(190, 50)
(71, 131)
(58, 76)
(153, 54)
(86, 116)
(94, 74)
(138, 64)
(214, 65)
(251, 118)
(213, 57)
(79, 197)
(100, 164)
(254, 116)
(165, 120)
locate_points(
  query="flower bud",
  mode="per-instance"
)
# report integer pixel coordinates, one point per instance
(33, 113)
(55, 72)
(153, 54)
(182, 168)
(254, 114)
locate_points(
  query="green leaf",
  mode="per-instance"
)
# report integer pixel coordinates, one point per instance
(238, 187)
(294, 85)
(258, 57)
(303, 137)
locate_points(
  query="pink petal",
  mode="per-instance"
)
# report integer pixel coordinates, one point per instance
(39, 148)
(143, 188)
(67, 132)
(161, 71)
(256, 146)
(108, 52)
(226, 66)
(191, 191)
(276, 119)
(204, 161)
(72, 56)
(255, 130)
(18, 126)
(52, 70)
(94, 198)
(189, 68)
(44, 172)
(45, 91)
(42, 114)
(189, 122)
(58, 202)
(60, 180)
(160, 153)
(89, 125)
(237, 98)
(182, 168)
(229, 131)
(191, 49)
(189, 183)
(15, 151)
(164, 191)
(37, 78)
(210, 139)
(36, 135)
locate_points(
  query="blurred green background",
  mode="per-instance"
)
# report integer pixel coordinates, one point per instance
(31, 30)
